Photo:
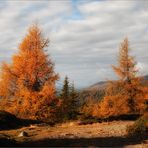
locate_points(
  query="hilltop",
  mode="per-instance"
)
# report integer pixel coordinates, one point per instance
(102, 84)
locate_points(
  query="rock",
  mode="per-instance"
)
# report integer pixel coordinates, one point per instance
(69, 135)
(32, 127)
(71, 124)
(23, 134)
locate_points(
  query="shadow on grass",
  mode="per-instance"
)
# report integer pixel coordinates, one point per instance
(90, 119)
(86, 142)
(17, 123)
(10, 121)
(5, 142)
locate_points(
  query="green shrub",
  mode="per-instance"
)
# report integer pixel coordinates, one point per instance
(137, 129)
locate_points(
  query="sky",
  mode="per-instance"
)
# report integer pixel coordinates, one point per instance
(85, 35)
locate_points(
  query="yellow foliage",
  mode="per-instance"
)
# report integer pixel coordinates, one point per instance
(30, 78)
(125, 95)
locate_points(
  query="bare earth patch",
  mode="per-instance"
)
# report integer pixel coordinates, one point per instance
(94, 134)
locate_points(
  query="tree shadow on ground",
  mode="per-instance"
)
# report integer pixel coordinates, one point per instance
(18, 123)
(9, 121)
(87, 142)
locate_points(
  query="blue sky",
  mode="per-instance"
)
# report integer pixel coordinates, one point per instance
(84, 34)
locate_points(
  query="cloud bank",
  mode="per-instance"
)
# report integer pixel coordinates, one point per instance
(84, 35)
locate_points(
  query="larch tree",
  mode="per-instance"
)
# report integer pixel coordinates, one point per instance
(30, 78)
(126, 94)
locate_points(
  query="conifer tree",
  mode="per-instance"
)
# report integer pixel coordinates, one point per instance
(30, 78)
(126, 94)
(69, 103)
(65, 89)
(65, 97)
(73, 93)
(73, 102)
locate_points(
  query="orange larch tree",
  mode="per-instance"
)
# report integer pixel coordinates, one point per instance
(125, 95)
(30, 78)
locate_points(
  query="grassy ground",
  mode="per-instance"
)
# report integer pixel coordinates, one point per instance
(107, 134)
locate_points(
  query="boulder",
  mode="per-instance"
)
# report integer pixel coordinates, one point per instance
(23, 134)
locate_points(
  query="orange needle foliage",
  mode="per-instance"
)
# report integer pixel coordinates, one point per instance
(125, 95)
(30, 79)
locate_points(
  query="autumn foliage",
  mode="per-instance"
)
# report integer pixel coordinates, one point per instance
(27, 86)
(29, 81)
(126, 95)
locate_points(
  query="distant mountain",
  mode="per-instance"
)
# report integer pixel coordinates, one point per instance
(102, 84)
(145, 80)
(145, 77)
(97, 86)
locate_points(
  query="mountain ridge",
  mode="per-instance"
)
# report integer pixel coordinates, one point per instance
(102, 84)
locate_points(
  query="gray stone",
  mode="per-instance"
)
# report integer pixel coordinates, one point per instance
(23, 134)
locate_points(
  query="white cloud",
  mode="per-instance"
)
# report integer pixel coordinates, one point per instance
(142, 68)
(84, 38)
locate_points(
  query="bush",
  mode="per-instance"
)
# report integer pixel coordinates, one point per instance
(137, 129)
(87, 119)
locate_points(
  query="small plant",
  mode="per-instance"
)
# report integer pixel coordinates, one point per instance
(88, 119)
(137, 129)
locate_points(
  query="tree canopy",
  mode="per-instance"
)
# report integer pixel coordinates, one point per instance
(30, 78)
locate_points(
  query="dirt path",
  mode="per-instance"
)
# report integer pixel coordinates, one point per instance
(73, 130)
(72, 134)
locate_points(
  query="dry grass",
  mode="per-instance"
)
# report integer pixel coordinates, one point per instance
(70, 130)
